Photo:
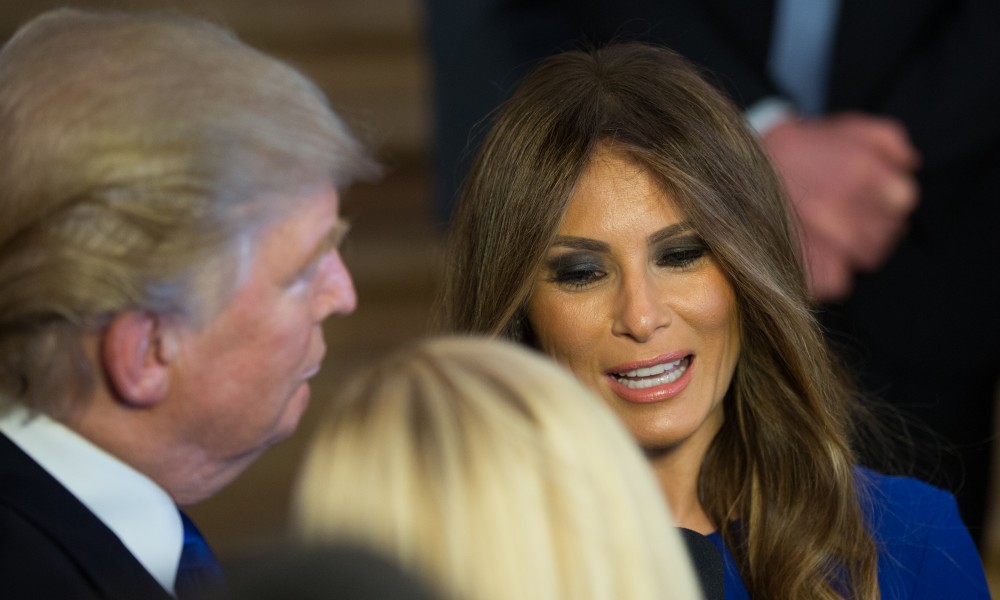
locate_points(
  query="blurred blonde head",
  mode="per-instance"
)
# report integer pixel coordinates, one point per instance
(491, 471)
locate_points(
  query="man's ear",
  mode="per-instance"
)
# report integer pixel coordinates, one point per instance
(135, 360)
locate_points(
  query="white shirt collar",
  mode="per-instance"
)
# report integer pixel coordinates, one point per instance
(137, 510)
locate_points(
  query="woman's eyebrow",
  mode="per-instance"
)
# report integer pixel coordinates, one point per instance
(668, 232)
(580, 243)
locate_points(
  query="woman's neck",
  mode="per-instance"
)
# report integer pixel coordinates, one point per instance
(677, 471)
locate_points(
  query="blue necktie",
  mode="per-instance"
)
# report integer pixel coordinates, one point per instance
(198, 572)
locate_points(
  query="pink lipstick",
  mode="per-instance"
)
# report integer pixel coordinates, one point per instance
(652, 380)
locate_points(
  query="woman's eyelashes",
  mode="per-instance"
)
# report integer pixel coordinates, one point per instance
(681, 253)
(575, 271)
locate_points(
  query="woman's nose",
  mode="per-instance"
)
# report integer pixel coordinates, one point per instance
(641, 309)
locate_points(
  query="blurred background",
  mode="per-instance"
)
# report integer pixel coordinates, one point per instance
(368, 55)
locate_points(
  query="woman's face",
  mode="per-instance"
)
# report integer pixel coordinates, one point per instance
(630, 299)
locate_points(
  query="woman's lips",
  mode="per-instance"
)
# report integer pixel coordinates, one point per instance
(652, 381)
(655, 375)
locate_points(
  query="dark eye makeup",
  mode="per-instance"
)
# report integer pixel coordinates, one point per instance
(681, 253)
(575, 269)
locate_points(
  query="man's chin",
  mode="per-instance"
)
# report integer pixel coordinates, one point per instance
(223, 474)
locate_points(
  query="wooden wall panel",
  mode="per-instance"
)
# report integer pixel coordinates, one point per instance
(367, 55)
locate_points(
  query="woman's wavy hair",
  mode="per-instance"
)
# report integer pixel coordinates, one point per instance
(141, 154)
(778, 479)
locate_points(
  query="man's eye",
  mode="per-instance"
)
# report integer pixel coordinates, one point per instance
(307, 275)
(309, 272)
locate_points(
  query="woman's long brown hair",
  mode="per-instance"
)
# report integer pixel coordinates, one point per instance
(779, 479)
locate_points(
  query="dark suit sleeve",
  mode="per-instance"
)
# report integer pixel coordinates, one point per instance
(52, 546)
(479, 49)
(35, 566)
(727, 39)
(948, 92)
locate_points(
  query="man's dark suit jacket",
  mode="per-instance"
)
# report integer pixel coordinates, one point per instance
(923, 330)
(52, 546)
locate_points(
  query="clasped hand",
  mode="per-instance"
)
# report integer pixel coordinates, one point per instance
(850, 178)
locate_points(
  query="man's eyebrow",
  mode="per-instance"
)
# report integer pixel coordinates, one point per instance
(337, 233)
(333, 239)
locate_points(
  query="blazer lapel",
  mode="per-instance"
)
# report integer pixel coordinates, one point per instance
(102, 558)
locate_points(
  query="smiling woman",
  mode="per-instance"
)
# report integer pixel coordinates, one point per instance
(621, 218)
(625, 269)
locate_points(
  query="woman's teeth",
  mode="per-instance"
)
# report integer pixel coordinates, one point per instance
(655, 375)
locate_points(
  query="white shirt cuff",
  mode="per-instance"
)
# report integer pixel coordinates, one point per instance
(767, 113)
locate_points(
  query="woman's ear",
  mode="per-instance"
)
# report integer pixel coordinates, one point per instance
(133, 356)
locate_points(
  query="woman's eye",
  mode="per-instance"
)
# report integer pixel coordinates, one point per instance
(574, 273)
(579, 277)
(680, 257)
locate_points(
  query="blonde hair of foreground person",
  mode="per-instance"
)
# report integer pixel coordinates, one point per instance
(492, 472)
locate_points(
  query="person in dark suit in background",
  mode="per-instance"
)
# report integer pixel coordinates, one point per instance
(169, 214)
(887, 139)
